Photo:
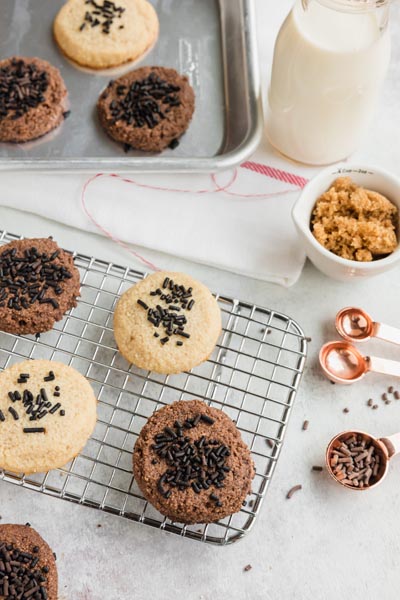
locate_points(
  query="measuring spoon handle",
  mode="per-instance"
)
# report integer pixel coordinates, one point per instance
(387, 333)
(392, 443)
(383, 365)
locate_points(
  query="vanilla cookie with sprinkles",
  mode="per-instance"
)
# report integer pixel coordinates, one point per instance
(167, 323)
(147, 109)
(39, 283)
(100, 33)
(47, 414)
(32, 99)
(191, 463)
(27, 565)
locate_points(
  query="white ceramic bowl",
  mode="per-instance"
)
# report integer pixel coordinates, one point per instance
(373, 178)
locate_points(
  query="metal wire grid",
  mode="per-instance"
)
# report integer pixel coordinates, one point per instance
(253, 375)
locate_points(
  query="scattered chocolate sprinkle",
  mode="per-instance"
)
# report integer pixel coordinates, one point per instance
(293, 490)
(247, 568)
(34, 430)
(173, 144)
(370, 402)
(346, 410)
(317, 468)
(305, 425)
(14, 413)
(384, 397)
(391, 389)
(375, 406)
(308, 339)
(397, 395)
(270, 443)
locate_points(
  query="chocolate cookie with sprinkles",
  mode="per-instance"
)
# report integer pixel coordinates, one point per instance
(191, 463)
(32, 99)
(167, 323)
(147, 109)
(38, 284)
(27, 565)
(47, 414)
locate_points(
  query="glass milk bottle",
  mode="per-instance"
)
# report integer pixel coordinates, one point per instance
(330, 60)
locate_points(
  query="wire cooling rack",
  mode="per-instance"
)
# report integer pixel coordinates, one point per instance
(253, 375)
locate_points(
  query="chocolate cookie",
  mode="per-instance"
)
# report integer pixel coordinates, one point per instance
(148, 109)
(27, 565)
(38, 284)
(191, 463)
(32, 99)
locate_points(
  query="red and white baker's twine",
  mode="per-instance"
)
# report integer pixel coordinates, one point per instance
(273, 173)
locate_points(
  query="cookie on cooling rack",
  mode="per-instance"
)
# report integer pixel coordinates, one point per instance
(101, 34)
(32, 99)
(191, 463)
(39, 283)
(167, 323)
(47, 414)
(28, 565)
(147, 109)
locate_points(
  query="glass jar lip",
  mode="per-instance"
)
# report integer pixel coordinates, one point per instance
(350, 5)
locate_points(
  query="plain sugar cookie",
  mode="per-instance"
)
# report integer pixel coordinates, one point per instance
(167, 323)
(102, 34)
(47, 414)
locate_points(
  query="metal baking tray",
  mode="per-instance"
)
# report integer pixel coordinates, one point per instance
(253, 375)
(211, 41)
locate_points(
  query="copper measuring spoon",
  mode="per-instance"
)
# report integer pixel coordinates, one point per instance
(343, 363)
(355, 325)
(386, 448)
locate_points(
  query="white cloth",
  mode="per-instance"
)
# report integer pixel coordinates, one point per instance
(249, 236)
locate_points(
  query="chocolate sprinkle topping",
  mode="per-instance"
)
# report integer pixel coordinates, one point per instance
(101, 15)
(197, 465)
(19, 576)
(145, 102)
(27, 279)
(170, 315)
(22, 87)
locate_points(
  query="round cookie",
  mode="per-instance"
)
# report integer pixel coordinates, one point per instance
(28, 563)
(39, 283)
(101, 34)
(147, 109)
(209, 485)
(32, 99)
(167, 323)
(47, 414)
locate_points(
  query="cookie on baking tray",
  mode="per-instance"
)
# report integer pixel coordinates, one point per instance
(100, 33)
(47, 414)
(147, 109)
(32, 99)
(39, 283)
(167, 323)
(191, 463)
(27, 565)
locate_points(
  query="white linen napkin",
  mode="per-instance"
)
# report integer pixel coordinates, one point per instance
(251, 236)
